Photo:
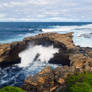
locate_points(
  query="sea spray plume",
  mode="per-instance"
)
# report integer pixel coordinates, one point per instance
(38, 53)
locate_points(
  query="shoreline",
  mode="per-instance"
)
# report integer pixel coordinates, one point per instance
(9, 51)
(73, 58)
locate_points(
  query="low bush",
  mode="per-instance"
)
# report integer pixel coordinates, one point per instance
(11, 89)
(80, 82)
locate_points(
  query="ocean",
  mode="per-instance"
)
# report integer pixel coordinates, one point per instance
(16, 31)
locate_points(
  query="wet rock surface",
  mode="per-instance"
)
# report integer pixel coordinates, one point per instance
(45, 81)
(73, 59)
(68, 54)
(9, 52)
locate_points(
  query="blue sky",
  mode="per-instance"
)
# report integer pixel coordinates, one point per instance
(45, 10)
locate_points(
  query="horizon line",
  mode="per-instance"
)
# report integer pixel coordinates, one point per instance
(49, 21)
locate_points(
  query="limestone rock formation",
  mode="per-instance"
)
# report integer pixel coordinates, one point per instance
(44, 81)
(64, 41)
(73, 59)
(9, 52)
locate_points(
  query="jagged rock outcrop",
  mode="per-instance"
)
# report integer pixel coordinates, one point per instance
(69, 54)
(73, 59)
(62, 41)
(79, 60)
(51, 80)
(45, 81)
(9, 52)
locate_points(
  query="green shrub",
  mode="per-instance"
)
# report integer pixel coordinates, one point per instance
(80, 87)
(11, 89)
(80, 82)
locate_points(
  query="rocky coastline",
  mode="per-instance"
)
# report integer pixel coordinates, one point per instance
(73, 59)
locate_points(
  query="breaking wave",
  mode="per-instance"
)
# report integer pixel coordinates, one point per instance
(68, 28)
(82, 34)
(37, 53)
(33, 60)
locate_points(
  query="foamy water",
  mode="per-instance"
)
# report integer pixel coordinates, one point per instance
(37, 53)
(18, 31)
(68, 28)
(82, 34)
(33, 60)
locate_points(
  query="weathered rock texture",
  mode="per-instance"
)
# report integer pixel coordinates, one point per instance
(68, 54)
(63, 41)
(73, 59)
(45, 81)
(49, 80)
(9, 52)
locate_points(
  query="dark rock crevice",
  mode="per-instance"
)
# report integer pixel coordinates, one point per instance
(60, 58)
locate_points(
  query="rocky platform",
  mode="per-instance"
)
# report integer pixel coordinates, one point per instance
(73, 58)
(9, 52)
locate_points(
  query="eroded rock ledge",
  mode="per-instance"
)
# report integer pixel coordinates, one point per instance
(68, 54)
(51, 80)
(9, 52)
(73, 58)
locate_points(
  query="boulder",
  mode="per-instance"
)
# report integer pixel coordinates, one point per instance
(79, 60)
(44, 81)
(9, 52)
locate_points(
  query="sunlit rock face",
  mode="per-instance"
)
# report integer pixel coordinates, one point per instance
(64, 50)
(44, 81)
(9, 52)
(36, 52)
(31, 55)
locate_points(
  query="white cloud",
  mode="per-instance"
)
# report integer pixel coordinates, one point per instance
(17, 19)
(2, 15)
(63, 19)
(24, 3)
(46, 10)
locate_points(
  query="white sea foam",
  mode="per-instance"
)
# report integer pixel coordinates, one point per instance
(79, 32)
(67, 28)
(60, 28)
(43, 54)
(35, 58)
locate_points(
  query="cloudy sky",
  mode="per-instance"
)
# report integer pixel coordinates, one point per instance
(45, 10)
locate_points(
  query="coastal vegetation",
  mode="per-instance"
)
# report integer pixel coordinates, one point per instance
(11, 89)
(79, 82)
